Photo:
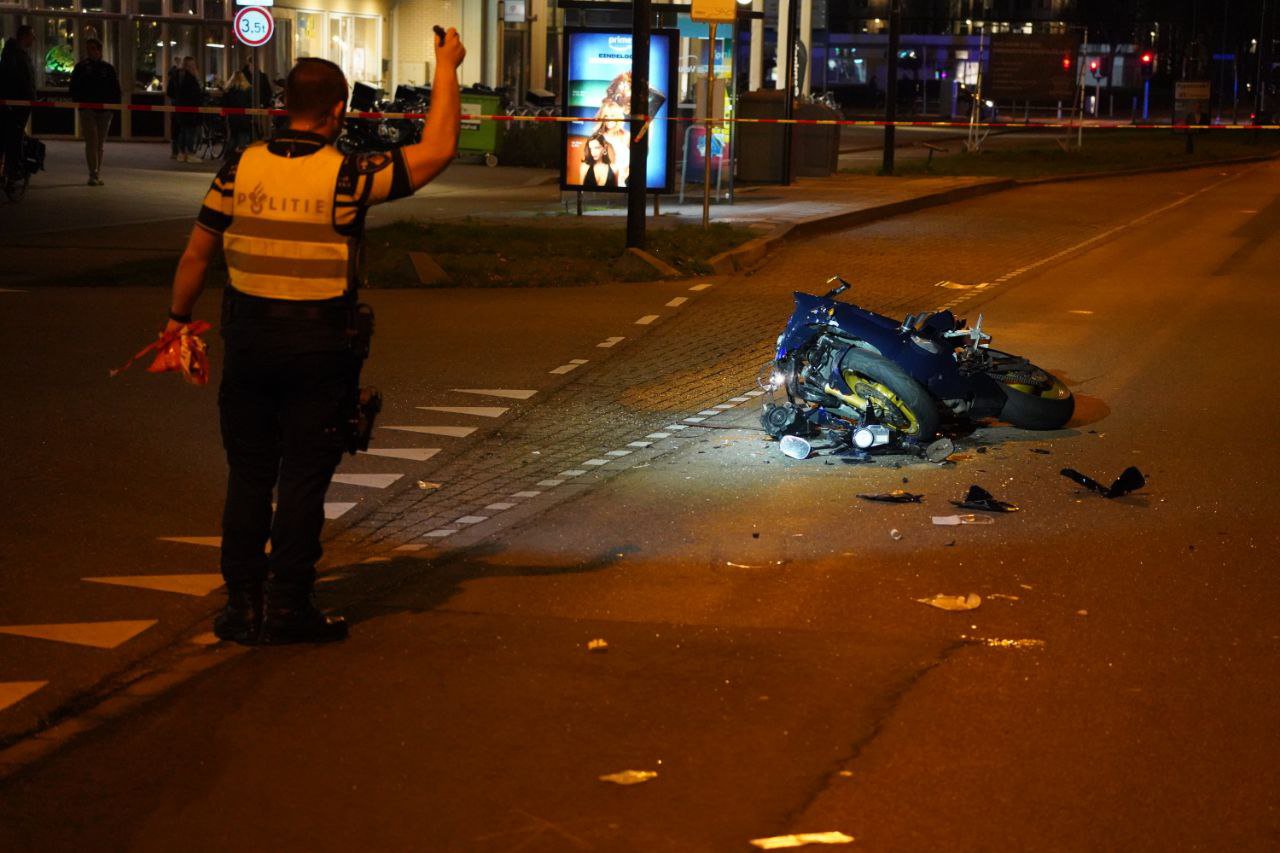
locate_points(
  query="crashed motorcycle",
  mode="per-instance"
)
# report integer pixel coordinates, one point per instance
(874, 382)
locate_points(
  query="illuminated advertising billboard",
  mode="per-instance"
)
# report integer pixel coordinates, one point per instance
(597, 92)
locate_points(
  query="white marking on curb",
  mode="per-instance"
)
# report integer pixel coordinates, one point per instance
(646, 319)
(658, 435)
(565, 368)
(706, 413)
(739, 399)
(723, 406)
(677, 302)
(368, 481)
(608, 342)
(619, 453)
(472, 519)
(499, 507)
(754, 393)
(549, 484)
(676, 426)
(509, 393)
(695, 420)
(573, 472)
(440, 534)
(596, 462)
(528, 494)
(640, 444)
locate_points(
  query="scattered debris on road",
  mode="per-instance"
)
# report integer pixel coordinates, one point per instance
(779, 842)
(1003, 596)
(967, 518)
(979, 498)
(897, 496)
(939, 450)
(1130, 480)
(953, 602)
(597, 645)
(629, 777)
(427, 485)
(895, 534)
(1003, 643)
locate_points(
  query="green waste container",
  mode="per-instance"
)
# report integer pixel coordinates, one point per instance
(480, 138)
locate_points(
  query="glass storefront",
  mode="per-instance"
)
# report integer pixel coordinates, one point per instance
(353, 42)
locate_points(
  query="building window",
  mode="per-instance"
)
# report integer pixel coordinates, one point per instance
(150, 7)
(310, 35)
(147, 49)
(58, 49)
(354, 47)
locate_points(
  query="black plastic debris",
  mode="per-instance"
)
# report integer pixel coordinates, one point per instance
(897, 496)
(1040, 450)
(979, 498)
(1130, 480)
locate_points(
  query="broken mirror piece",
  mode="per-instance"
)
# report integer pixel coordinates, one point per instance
(795, 447)
(781, 842)
(598, 645)
(897, 496)
(629, 777)
(1130, 480)
(953, 602)
(979, 498)
(967, 518)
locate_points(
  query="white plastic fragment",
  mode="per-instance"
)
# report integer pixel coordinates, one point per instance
(629, 777)
(970, 518)
(953, 602)
(779, 842)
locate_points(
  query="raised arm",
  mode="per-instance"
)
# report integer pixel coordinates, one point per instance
(439, 144)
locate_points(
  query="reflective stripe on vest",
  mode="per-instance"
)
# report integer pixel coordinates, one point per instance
(281, 243)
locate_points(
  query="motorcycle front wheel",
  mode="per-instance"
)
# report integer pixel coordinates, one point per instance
(1040, 401)
(901, 403)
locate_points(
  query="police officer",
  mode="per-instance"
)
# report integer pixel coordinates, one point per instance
(289, 217)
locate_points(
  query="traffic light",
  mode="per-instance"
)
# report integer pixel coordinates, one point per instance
(1095, 67)
(1147, 63)
(1066, 62)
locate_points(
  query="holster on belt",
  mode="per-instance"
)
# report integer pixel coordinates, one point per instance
(368, 401)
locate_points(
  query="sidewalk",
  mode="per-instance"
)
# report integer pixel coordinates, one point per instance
(98, 227)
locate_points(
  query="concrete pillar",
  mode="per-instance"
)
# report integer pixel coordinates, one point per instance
(780, 47)
(755, 74)
(492, 44)
(538, 46)
(806, 38)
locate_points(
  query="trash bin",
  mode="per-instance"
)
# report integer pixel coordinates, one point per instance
(480, 138)
(815, 150)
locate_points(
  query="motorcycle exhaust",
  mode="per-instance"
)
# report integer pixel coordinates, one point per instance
(871, 435)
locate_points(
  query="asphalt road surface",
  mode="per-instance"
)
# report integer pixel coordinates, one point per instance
(767, 657)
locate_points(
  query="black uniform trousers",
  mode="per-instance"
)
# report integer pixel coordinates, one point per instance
(283, 413)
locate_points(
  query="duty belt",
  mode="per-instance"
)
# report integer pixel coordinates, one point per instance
(242, 307)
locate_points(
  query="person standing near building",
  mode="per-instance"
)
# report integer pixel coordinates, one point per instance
(17, 82)
(171, 92)
(94, 81)
(263, 94)
(189, 92)
(289, 217)
(238, 94)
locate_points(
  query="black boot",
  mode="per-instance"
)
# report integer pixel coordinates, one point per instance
(293, 619)
(241, 620)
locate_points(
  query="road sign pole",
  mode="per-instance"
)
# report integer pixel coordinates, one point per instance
(638, 178)
(891, 86)
(706, 127)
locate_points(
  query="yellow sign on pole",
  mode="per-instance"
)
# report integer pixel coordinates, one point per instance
(719, 11)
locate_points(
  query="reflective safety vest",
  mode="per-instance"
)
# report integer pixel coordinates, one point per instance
(281, 243)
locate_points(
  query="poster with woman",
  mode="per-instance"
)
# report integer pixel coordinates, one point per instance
(597, 147)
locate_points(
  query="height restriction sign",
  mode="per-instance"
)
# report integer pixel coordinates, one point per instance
(253, 26)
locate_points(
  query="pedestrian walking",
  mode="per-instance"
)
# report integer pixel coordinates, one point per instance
(289, 216)
(94, 80)
(238, 94)
(17, 82)
(188, 92)
(263, 95)
(171, 93)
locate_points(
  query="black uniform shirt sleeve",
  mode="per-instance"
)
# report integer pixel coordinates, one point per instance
(215, 213)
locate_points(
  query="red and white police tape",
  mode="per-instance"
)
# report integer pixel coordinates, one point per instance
(1020, 125)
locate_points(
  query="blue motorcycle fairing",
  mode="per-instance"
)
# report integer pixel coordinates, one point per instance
(938, 372)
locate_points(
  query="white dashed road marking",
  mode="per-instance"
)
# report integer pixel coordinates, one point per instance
(677, 302)
(608, 342)
(472, 519)
(336, 509)
(99, 635)
(13, 692)
(451, 431)
(474, 411)
(596, 462)
(500, 506)
(698, 287)
(368, 481)
(646, 319)
(440, 534)
(549, 484)
(658, 435)
(414, 454)
(195, 585)
(575, 472)
(526, 494)
(565, 368)
(509, 393)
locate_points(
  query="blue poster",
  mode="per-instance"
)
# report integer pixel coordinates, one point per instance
(598, 90)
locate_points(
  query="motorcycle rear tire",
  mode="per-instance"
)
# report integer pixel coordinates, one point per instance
(1051, 409)
(908, 392)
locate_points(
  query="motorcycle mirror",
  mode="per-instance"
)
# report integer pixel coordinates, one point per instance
(795, 447)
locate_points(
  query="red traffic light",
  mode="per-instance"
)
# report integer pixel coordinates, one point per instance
(1093, 65)
(1146, 58)
(1066, 62)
